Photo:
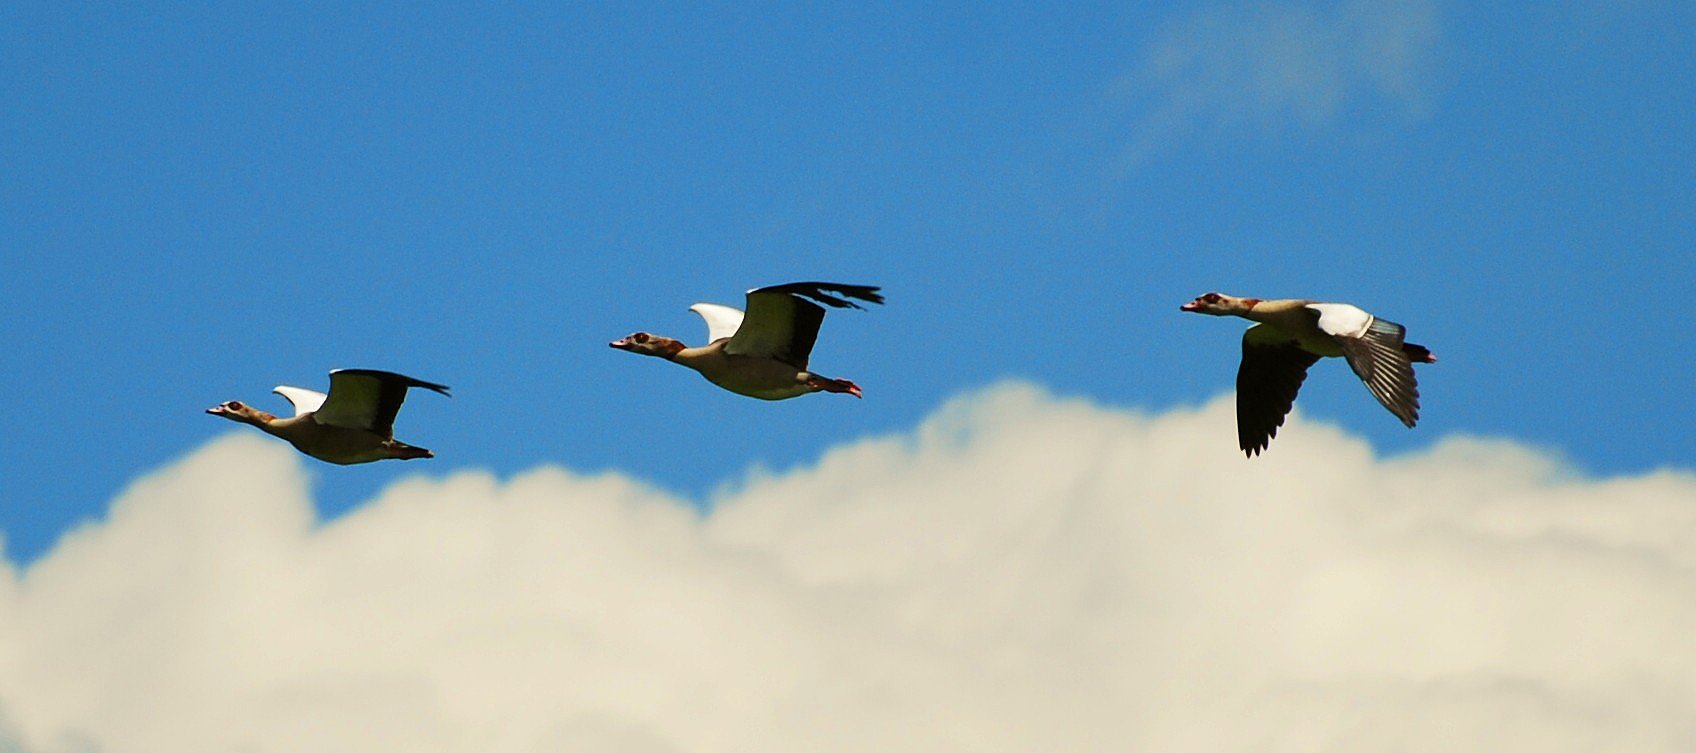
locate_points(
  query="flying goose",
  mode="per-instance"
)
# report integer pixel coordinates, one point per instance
(353, 424)
(1290, 336)
(762, 353)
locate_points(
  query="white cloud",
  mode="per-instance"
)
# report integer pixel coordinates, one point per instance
(1255, 66)
(1021, 573)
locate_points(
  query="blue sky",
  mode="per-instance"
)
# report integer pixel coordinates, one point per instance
(197, 205)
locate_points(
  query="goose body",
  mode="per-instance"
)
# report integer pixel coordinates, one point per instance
(1291, 335)
(763, 352)
(354, 423)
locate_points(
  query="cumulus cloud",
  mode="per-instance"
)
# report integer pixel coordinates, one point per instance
(1267, 65)
(1021, 572)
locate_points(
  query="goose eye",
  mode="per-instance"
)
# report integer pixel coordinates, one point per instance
(1211, 298)
(640, 337)
(234, 405)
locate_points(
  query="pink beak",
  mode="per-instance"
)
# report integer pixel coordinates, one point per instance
(1191, 306)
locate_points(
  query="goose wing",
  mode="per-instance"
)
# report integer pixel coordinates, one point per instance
(722, 321)
(1374, 350)
(1273, 368)
(782, 321)
(368, 399)
(304, 400)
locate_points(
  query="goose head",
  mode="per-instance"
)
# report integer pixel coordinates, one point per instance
(648, 345)
(1219, 304)
(237, 411)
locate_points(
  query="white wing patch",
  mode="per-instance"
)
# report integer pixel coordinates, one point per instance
(722, 321)
(304, 400)
(1341, 319)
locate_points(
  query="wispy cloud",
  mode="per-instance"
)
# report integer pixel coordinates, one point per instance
(1250, 67)
(1019, 573)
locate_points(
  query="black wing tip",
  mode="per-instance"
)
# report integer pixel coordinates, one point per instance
(441, 389)
(1252, 446)
(822, 293)
(1410, 419)
(390, 376)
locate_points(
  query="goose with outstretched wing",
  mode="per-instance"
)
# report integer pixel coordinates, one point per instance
(762, 352)
(1289, 336)
(353, 424)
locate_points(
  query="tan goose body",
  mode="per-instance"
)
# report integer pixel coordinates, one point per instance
(1291, 317)
(339, 444)
(762, 353)
(354, 423)
(753, 376)
(1292, 334)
